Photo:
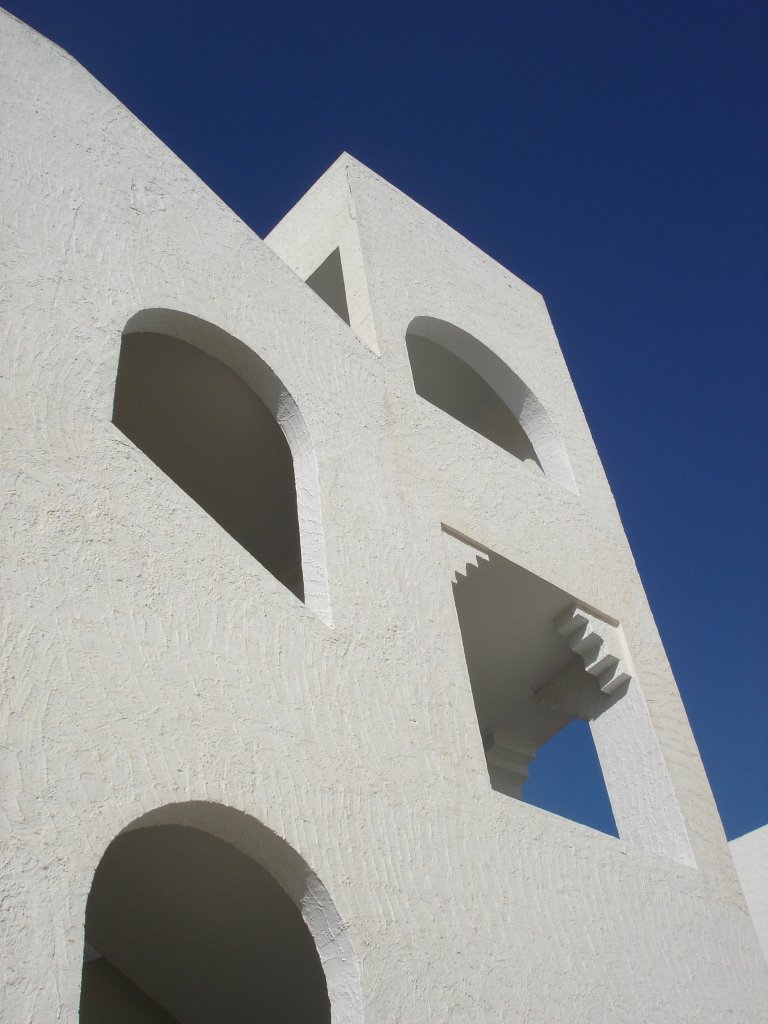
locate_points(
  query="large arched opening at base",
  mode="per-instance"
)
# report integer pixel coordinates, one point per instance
(199, 914)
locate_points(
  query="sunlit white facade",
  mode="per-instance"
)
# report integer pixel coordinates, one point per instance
(308, 555)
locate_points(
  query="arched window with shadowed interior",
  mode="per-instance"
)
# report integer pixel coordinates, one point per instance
(198, 914)
(464, 378)
(215, 418)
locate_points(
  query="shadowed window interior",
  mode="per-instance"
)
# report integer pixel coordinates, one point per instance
(183, 928)
(533, 698)
(449, 383)
(215, 438)
(328, 282)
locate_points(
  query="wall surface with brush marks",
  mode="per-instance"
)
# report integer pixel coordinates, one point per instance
(158, 674)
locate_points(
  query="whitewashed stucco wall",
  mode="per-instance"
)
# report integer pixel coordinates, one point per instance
(750, 855)
(151, 661)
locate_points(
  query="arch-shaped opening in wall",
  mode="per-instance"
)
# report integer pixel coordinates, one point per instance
(198, 914)
(463, 377)
(208, 411)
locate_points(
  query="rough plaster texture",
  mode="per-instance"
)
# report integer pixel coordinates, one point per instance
(156, 673)
(750, 855)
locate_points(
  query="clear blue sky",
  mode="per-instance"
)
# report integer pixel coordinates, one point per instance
(613, 155)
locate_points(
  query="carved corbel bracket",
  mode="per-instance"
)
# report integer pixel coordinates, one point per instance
(600, 645)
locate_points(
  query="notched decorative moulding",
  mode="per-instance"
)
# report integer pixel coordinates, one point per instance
(600, 645)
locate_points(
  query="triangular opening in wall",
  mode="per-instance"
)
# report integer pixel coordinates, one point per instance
(565, 778)
(328, 282)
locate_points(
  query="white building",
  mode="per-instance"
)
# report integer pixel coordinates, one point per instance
(308, 552)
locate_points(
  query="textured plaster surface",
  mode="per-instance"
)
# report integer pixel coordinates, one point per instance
(151, 663)
(750, 855)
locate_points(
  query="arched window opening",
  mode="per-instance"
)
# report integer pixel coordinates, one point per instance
(464, 378)
(452, 385)
(184, 928)
(215, 438)
(215, 418)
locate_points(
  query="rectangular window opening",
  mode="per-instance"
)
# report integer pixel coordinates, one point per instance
(534, 695)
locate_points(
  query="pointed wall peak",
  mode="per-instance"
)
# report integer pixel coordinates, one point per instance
(320, 241)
